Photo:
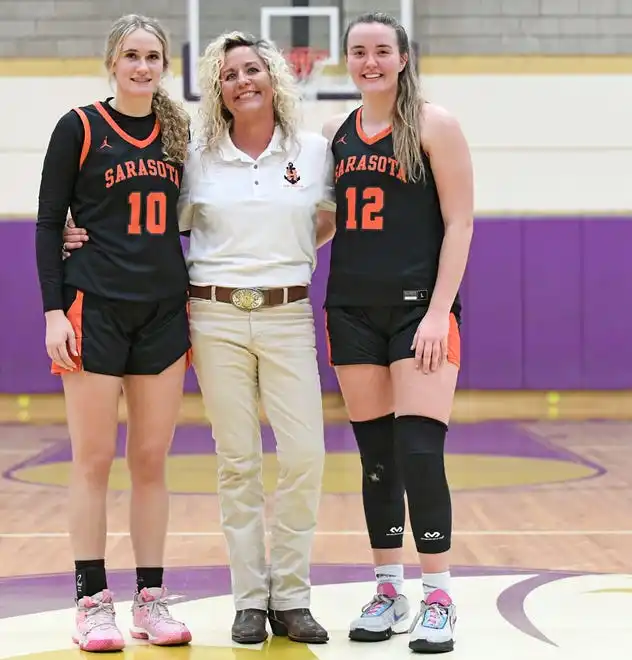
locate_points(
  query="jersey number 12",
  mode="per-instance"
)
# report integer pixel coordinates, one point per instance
(369, 209)
(155, 213)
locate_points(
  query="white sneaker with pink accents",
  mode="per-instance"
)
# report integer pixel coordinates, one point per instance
(432, 630)
(95, 624)
(153, 622)
(382, 617)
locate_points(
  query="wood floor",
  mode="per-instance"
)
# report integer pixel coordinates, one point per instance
(582, 525)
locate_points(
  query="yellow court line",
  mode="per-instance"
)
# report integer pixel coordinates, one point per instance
(527, 65)
(429, 65)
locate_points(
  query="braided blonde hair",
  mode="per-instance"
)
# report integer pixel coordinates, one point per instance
(173, 118)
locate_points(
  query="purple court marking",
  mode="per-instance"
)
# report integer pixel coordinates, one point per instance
(492, 438)
(511, 602)
(44, 593)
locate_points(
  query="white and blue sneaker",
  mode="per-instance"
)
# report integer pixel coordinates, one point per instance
(382, 617)
(432, 630)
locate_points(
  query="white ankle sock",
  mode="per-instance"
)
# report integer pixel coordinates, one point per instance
(393, 573)
(433, 581)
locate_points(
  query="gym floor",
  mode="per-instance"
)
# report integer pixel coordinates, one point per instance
(542, 552)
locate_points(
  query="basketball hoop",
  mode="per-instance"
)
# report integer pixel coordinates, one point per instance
(306, 62)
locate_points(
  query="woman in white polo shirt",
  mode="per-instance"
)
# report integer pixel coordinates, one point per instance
(250, 195)
(254, 198)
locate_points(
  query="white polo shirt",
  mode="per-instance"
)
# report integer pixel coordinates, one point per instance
(253, 221)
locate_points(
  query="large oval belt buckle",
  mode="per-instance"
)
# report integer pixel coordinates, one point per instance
(247, 299)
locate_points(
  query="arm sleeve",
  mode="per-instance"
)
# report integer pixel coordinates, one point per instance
(59, 172)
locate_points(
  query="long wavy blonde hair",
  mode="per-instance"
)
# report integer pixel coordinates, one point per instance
(173, 118)
(406, 123)
(215, 119)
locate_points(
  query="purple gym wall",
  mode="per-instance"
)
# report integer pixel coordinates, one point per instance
(546, 306)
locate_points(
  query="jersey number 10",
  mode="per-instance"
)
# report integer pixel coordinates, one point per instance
(370, 208)
(155, 213)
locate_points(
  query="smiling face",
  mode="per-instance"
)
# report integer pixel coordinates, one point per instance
(245, 82)
(374, 61)
(139, 65)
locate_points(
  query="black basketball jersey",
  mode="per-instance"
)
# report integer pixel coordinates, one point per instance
(126, 197)
(389, 231)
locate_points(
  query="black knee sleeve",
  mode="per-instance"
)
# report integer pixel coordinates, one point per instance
(420, 445)
(382, 482)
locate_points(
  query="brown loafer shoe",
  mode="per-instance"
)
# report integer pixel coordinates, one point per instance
(249, 627)
(298, 625)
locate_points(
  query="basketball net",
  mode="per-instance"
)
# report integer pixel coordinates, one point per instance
(307, 64)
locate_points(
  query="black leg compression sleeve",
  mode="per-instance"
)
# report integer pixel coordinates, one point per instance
(382, 482)
(420, 445)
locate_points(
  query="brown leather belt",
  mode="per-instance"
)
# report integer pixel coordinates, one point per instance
(249, 298)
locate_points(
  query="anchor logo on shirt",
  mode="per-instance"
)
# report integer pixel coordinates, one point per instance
(291, 174)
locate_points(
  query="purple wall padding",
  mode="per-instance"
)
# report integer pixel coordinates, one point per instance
(545, 307)
(552, 305)
(492, 315)
(606, 292)
(24, 365)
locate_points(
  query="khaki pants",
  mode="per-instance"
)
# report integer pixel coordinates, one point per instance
(239, 358)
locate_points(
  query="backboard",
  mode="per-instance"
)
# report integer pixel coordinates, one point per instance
(315, 87)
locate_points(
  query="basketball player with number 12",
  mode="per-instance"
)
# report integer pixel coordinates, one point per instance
(404, 220)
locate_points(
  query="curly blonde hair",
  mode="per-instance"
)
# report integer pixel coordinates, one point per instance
(406, 129)
(215, 119)
(173, 118)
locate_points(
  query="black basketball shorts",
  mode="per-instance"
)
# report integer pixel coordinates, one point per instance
(380, 335)
(119, 337)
